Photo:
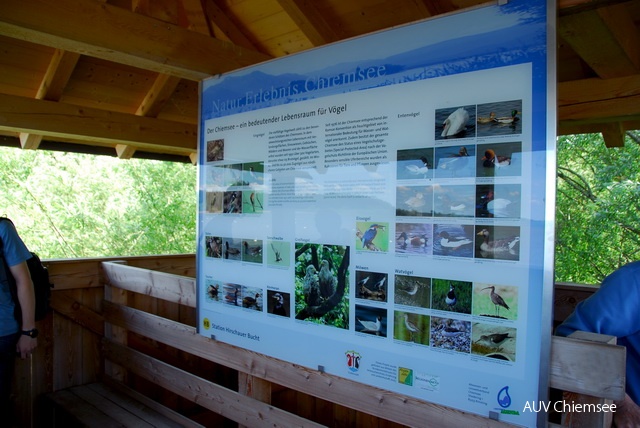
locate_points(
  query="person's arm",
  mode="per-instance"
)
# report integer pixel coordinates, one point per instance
(26, 345)
(627, 414)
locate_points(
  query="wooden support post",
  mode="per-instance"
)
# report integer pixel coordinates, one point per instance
(112, 332)
(583, 419)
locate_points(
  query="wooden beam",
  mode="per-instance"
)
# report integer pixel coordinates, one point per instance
(68, 121)
(613, 135)
(604, 39)
(57, 75)
(390, 406)
(158, 95)
(224, 28)
(30, 141)
(118, 35)
(439, 7)
(312, 24)
(196, 19)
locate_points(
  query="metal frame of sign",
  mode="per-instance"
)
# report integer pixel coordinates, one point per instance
(382, 209)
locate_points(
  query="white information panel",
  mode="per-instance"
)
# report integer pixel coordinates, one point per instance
(377, 209)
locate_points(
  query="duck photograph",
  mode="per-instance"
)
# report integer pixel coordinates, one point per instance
(371, 320)
(499, 118)
(414, 238)
(452, 296)
(456, 122)
(232, 249)
(453, 240)
(497, 242)
(252, 298)
(455, 161)
(411, 327)
(454, 200)
(494, 341)
(412, 291)
(495, 301)
(252, 250)
(414, 201)
(213, 292)
(498, 200)
(499, 159)
(414, 164)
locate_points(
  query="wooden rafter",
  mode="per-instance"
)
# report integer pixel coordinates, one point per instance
(310, 21)
(224, 28)
(606, 39)
(118, 35)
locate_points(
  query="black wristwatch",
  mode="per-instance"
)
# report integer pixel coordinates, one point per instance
(33, 333)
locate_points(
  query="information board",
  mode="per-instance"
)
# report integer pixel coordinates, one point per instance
(379, 209)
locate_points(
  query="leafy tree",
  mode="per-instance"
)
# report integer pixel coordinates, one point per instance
(597, 218)
(69, 205)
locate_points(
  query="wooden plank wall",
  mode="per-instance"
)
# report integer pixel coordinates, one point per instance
(70, 350)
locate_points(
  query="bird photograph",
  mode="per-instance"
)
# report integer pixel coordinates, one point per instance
(278, 303)
(253, 173)
(371, 285)
(451, 334)
(252, 250)
(372, 236)
(453, 240)
(456, 122)
(455, 161)
(232, 294)
(413, 238)
(213, 246)
(498, 201)
(499, 160)
(412, 291)
(252, 298)
(253, 204)
(411, 327)
(414, 164)
(498, 242)
(494, 341)
(215, 150)
(499, 118)
(278, 253)
(213, 292)
(495, 301)
(232, 202)
(414, 201)
(454, 201)
(231, 249)
(233, 175)
(213, 202)
(370, 320)
(452, 296)
(322, 284)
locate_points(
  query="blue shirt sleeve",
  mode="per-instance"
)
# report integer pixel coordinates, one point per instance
(614, 309)
(13, 248)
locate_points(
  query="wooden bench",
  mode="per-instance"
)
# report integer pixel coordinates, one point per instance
(110, 404)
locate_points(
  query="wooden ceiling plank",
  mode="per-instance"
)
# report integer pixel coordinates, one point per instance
(588, 90)
(310, 21)
(439, 7)
(224, 27)
(67, 121)
(158, 95)
(118, 35)
(594, 35)
(615, 109)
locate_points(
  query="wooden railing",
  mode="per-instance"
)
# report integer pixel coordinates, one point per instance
(133, 321)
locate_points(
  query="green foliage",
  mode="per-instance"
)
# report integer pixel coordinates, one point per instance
(597, 218)
(68, 205)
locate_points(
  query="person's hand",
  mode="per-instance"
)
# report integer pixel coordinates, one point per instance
(627, 414)
(26, 346)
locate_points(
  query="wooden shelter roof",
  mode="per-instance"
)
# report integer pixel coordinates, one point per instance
(121, 76)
